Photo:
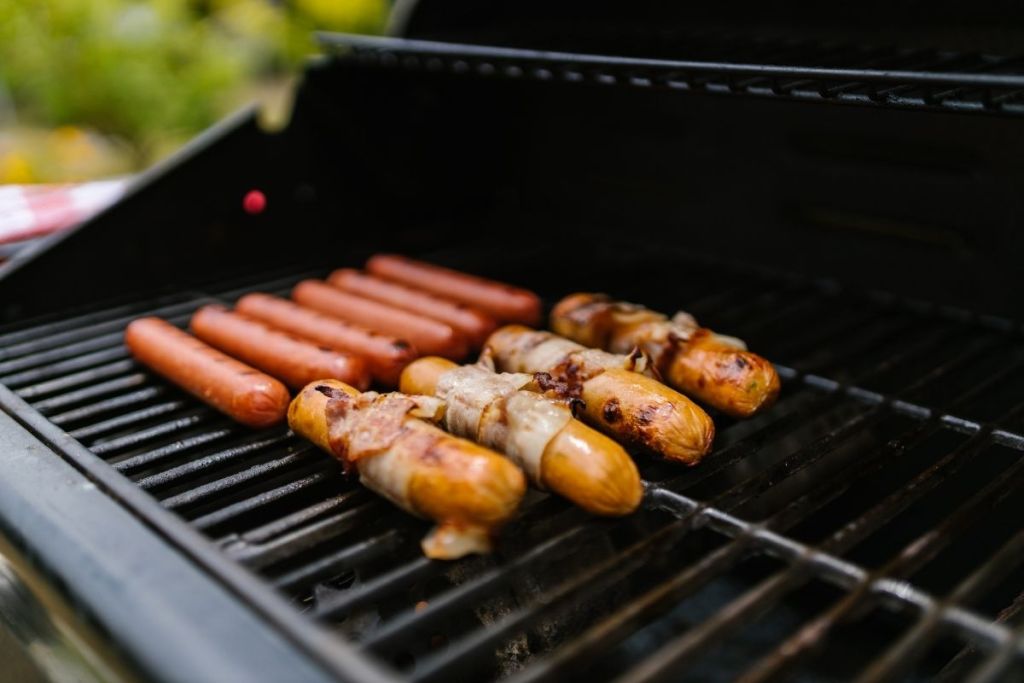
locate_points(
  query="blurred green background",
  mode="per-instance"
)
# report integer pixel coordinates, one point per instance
(93, 88)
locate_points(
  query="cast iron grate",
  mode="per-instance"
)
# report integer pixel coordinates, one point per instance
(903, 78)
(867, 527)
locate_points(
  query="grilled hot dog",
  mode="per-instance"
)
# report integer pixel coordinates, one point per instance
(386, 356)
(715, 369)
(294, 361)
(617, 398)
(473, 324)
(235, 389)
(427, 335)
(539, 434)
(468, 490)
(504, 303)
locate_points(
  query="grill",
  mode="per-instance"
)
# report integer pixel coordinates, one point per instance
(864, 528)
(862, 502)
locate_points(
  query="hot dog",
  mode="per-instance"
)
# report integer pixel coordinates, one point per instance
(237, 390)
(617, 399)
(473, 324)
(385, 356)
(294, 361)
(468, 490)
(557, 451)
(427, 335)
(715, 369)
(504, 303)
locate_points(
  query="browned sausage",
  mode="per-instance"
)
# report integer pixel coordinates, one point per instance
(427, 335)
(503, 302)
(237, 390)
(470, 491)
(473, 324)
(386, 356)
(716, 369)
(294, 361)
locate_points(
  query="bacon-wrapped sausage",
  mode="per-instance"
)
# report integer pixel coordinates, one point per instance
(617, 398)
(715, 369)
(468, 490)
(557, 451)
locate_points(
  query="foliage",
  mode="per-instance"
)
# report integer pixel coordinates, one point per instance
(146, 72)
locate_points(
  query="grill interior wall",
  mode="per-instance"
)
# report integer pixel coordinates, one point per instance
(921, 203)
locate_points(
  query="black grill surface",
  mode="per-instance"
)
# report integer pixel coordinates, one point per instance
(867, 527)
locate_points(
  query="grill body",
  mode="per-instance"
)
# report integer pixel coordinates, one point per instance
(853, 213)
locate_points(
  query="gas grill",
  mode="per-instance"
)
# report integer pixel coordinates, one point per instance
(851, 211)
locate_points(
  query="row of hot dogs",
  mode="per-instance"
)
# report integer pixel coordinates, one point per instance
(458, 443)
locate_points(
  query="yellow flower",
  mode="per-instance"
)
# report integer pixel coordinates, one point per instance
(15, 168)
(345, 15)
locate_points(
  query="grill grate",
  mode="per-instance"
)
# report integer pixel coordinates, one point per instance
(865, 527)
(904, 78)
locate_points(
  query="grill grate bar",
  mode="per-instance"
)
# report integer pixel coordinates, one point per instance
(906, 562)
(416, 569)
(78, 348)
(125, 420)
(172, 449)
(68, 340)
(912, 645)
(101, 389)
(77, 379)
(999, 662)
(219, 458)
(285, 524)
(478, 645)
(249, 504)
(804, 561)
(816, 408)
(413, 623)
(55, 370)
(258, 556)
(126, 312)
(786, 655)
(119, 443)
(350, 556)
(107, 405)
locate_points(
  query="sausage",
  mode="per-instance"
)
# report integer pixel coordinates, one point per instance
(232, 387)
(470, 491)
(712, 368)
(294, 361)
(427, 335)
(557, 451)
(503, 302)
(617, 398)
(473, 324)
(385, 356)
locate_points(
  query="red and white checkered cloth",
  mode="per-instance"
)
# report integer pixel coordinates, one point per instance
(32, 211)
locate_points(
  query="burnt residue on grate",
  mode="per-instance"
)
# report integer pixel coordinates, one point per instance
(867, 526)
